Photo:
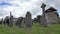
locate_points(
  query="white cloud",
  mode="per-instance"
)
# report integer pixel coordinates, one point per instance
(20, 7)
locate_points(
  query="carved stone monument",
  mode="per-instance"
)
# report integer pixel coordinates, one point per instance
(52, 15)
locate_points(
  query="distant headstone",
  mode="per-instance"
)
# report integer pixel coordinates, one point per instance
(2, 21)
(17, 22)
(6, 21)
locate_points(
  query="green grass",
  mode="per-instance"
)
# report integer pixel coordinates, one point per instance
(36, 29)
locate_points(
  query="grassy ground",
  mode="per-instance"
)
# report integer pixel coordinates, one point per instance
(36, 29)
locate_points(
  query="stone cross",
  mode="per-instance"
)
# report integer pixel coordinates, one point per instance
(44, 16)
(43, 8)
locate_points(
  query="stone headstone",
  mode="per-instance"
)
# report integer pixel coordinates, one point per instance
(4, 22)
(28, 20)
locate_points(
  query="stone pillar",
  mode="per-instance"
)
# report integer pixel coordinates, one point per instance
(11, 20)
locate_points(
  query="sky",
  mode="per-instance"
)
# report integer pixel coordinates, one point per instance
(20, 7)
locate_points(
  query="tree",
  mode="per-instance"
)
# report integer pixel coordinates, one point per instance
(38, 18)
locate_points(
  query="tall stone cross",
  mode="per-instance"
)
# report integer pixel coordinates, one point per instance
(45, 17)
(43, 8)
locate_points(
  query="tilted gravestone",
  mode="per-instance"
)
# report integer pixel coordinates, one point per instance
(19, 22)
(22, 23)
(28, 20)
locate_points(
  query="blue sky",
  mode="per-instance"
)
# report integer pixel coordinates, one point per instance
(20, 7)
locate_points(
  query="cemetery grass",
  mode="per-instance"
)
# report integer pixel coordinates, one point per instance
(36, 29)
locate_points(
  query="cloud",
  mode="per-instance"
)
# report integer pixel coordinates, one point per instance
(20, 7)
